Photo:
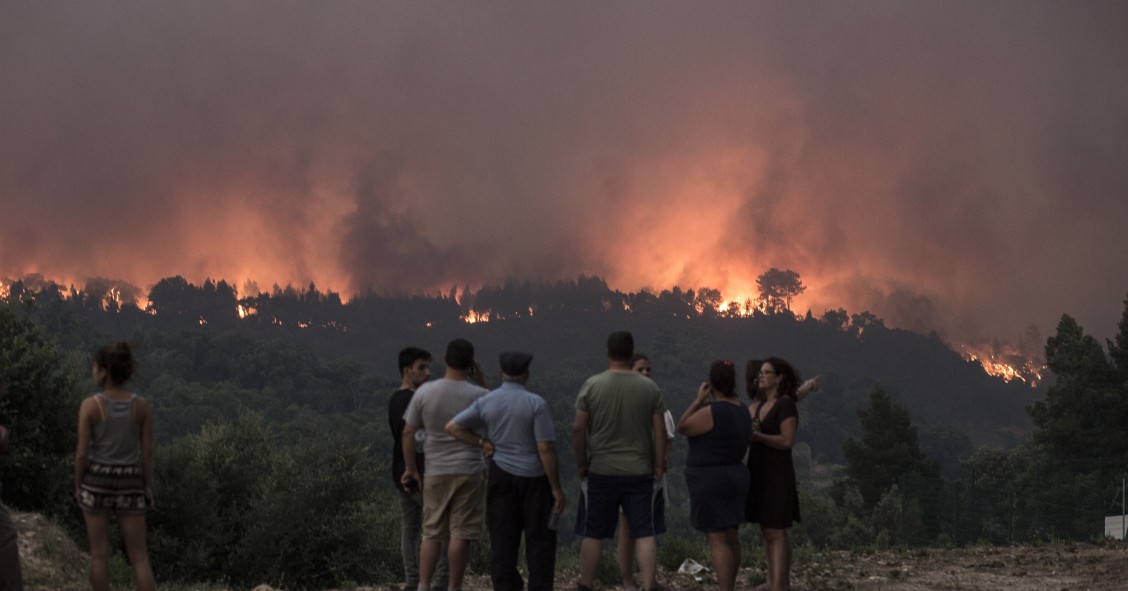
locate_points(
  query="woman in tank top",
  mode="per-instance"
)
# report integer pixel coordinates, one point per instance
(113, 466)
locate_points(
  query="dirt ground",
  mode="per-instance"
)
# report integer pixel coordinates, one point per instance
(52, 563)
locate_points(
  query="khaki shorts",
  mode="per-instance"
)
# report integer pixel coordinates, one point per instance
(454, 506)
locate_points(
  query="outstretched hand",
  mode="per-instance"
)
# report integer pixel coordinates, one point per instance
(807, 387)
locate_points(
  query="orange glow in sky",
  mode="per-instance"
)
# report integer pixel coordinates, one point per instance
(962, 179)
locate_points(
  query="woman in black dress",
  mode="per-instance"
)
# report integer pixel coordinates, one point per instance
(773, 499)
(718, 432)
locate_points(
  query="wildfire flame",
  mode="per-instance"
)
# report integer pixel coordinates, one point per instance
(1010, 366)
(474, 317)
(1004, 361)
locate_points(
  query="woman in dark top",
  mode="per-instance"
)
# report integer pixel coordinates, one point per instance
(773, 499)
(113, 467)
(718, 432)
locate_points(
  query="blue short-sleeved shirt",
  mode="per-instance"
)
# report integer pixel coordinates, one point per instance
(514, 420)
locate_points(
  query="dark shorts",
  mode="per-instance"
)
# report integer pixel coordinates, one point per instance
(716, 496)
(107, 487)
(602, 496)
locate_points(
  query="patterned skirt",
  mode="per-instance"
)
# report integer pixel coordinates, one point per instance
(107, 487)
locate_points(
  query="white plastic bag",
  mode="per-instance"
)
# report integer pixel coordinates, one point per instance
(692, 568)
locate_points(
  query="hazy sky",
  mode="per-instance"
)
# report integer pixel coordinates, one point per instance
(950, 165)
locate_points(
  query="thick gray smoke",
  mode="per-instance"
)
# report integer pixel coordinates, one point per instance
(955, 165)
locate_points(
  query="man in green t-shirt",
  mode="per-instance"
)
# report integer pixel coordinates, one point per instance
(620, 460)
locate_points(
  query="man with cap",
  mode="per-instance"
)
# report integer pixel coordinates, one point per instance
(524, 486)
(454, 488)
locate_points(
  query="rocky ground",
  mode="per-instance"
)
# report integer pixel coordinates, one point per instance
(52, 563)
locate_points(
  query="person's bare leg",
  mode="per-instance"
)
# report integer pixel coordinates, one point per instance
(589, 560)
(734, 542)
(724, 562)
(776, 546)
(767, 584)
(646, 550)
(98, 532)
(624, 553)
(458, 554)
(787, 559)
(133, 534)
(428, 558)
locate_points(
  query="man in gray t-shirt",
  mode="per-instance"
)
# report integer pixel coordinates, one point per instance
(454, 488)
(434, 404)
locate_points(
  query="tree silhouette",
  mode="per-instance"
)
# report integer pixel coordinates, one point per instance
(1118, 348)
(709, 301)
(888, 450)
(864, 321)
(778, 288)
(1084, 411)
(172, 297)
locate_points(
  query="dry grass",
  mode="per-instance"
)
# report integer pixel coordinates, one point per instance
(52, 562)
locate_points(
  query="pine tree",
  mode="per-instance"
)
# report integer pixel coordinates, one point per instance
(888, 450)
(1118, 349)
(1085, 410)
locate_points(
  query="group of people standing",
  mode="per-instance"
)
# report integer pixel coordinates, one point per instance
(467, 458)
(459, 426)
(491, 462)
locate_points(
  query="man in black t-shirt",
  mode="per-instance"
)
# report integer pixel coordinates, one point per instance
(415, 369)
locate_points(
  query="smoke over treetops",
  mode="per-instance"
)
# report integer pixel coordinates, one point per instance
(954, 166)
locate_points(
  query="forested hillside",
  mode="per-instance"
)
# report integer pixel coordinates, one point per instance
(299, 352)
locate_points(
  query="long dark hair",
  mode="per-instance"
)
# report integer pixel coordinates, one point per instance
(788, 376)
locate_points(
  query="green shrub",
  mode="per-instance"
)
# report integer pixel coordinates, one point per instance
(239, 502)
(39, 399)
